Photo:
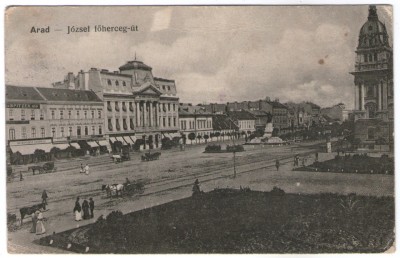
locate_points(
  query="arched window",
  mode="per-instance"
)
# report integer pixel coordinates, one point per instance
(123, 83)
(109, 82)
(116, 83)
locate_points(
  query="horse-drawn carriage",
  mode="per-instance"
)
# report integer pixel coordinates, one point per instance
(127, 188)
(151, 156)
(117, 158)
(47, 167)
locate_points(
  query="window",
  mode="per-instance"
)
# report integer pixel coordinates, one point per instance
(53, 115)
(85, 114)
(124, 124)
(42, 133)
(61, 114)
(130, 106)
(371, 133)
(11, 134)
(174, 121)
(163, 87)
(123, 83)
(11, 114)
(117, 124)
(163, 122)
(131, 124)
(78, 131)
(110, 126)
(69, 114)
(169, 122)
(375, 56)
(77, 114)
(62, 131)
(33, 132)
(116, 106)
(70, 131)
(99, 113)
(86, 130)
(109, 106)
(23, 133)
(100, 130)
(41, 114)
(109, 82)
(93, 130)
(22, 114)
(365, 58)
(173, 107)
(123, 106)
(32, 114)
(169, 106)
(169, 88)
(370, 58)
(53, 132)
(116, 83)
(92, 113)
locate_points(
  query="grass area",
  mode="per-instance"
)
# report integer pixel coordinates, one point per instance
(242, 221)
(353, 164)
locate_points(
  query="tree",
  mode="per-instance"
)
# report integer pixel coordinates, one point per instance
(206, 137)
(191, 137)
(199, 137)
(38, 155)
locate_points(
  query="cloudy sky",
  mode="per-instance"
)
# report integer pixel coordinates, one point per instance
(215, 54)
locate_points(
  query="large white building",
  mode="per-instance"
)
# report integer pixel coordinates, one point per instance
(140, 109)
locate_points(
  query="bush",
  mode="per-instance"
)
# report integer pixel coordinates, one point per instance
(234, 148)
(277, 191)
(213, 148)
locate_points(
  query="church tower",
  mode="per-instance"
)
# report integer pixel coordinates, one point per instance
(373, 74)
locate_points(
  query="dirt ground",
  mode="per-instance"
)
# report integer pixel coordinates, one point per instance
(170, 178)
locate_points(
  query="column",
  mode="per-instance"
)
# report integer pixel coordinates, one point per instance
(151, 114)
(379, 96)
(356, 97)
(146, 122)
(362, 96)
(156, 113)
(137, 114)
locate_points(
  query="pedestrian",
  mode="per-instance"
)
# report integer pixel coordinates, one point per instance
(277, 165)
(40, 229)
(82, 169)
(196, 188)
(294, 161)
(44, 199)
(87, 169)
(316, 156)
(85, 209)
(34, 221)
(303, 162)
(77, 210)
(91, 205)
(21, 178)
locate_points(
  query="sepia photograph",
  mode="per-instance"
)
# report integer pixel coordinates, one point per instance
(212, 129)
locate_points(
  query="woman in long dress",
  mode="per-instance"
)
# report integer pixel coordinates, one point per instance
(34, 221)
(40, 229)
(77, 210)
(85, 209)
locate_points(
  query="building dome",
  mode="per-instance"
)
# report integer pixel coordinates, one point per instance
(373, 33)
(135, 65)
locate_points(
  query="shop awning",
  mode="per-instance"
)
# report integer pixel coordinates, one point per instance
(30, 149)
(61, 146)
(121, 139)
(167, 135)
(76, 145)
(93, 144)
(128, 139)
(112, 139)
(103, 143)
(133, 138)
(173, 135)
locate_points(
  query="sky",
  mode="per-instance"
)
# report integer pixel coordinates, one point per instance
(215, 54)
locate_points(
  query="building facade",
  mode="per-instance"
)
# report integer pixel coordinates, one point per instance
(373, 80)
(43, 118)
(194, 119)
(140, 109)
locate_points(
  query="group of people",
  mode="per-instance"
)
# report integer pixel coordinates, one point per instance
(84, 169)
(37, 223)
(85, 211)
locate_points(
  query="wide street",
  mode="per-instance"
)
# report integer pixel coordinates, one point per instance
(170, 178)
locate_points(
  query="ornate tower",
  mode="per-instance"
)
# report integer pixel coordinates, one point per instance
(373, 74)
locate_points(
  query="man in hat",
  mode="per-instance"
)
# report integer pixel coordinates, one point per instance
(196, 188)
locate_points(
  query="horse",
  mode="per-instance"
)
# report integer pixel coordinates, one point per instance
(117, 188)
(29, 210)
